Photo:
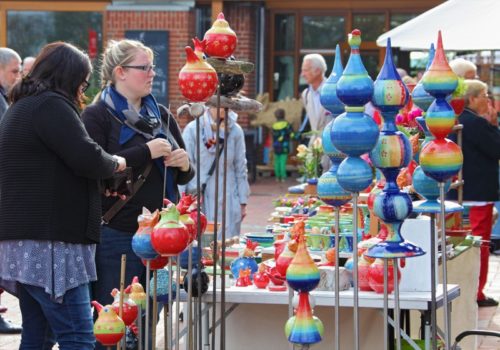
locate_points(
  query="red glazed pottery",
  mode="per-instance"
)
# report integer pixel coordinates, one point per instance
(220, 40)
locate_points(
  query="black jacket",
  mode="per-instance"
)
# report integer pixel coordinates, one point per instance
(104, 128)
(481, 150)
(49, 168)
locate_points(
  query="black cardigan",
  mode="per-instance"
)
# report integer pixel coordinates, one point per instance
(481, 150)
(49, 168)
(104, 128)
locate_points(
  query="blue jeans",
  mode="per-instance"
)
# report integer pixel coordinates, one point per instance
(70, 321)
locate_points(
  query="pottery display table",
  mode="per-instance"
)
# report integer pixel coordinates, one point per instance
(256, 318)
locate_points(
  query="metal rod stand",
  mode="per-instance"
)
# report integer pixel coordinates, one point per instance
(355, 268)
(447, 327)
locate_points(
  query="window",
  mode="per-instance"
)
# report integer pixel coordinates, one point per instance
(371, 25)
(283, 77)
(322, 32)
(400, 18)
(284, 29)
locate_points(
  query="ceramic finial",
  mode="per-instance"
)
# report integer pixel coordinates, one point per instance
(220, 39)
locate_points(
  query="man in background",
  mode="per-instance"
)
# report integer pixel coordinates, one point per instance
(27, 64)
(10, 72)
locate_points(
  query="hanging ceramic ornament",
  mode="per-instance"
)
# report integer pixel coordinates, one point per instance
(391, 153)
(109, 327)
(170, 237)
(197, 79)
(441, 158)
(329, 190)
(220, 40)
(141, 241)
(354, 132)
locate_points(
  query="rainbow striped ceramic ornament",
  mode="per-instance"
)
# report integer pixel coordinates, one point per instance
(421, 98)
(429, 189)
(392, 152)
(440, 159)
(302, 275)
(304, 328)
(354, 132)
(328, 188)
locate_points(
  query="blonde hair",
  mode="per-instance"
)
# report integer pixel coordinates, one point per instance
(474, 88)
(120, 53)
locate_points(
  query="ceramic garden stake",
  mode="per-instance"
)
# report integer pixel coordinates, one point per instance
(109, 327)
(220, 40)
(129, 307)
(170, 237)
(197, 79)
(141, 242)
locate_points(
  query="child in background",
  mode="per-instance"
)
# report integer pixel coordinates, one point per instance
(282, 133)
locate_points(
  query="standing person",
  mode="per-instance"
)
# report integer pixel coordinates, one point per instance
(464, 68)
(27, 64)
(10, 72)
(282, 133)
(126, 120)
(313, 71)
(238, 189)
(50, 203)
(481, 151)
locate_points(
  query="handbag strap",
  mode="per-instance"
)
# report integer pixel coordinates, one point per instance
(106, 218)
(211, 170)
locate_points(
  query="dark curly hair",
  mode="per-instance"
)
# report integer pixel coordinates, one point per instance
(59, 67)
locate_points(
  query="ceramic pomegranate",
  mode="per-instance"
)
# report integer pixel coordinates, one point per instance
(170, 237)
(157, 263)
(220, 40)
(129, 307)
(260, 278)
(376, 276)
(141, 242)
(197, 79)
(137, 293)
(109, 328)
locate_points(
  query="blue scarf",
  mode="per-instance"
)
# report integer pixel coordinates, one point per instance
(147, 123)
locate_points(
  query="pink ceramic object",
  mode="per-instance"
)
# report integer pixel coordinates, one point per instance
(197, 79)
(376, 276)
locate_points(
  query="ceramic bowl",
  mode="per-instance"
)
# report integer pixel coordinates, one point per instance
(264, 239)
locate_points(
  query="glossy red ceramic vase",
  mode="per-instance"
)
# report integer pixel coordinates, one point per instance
(363, 274)
(129, 307)
(220, 40)
(261, 280)
(170, 237)
(197, 79)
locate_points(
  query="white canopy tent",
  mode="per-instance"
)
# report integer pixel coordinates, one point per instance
(465, 25)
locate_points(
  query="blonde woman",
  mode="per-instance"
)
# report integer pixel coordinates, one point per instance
(126, 119)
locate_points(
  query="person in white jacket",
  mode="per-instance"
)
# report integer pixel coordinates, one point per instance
(238, 189)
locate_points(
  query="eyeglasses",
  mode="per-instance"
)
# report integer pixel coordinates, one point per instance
(85, 86)
(146, 68)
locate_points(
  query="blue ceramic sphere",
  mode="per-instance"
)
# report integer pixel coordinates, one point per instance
(354, 174)
(329, 190)
(392, 207)
(243, 263)
(141, 245)
(354, 133)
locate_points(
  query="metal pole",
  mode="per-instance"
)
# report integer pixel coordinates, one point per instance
(223, 239)
(216, 213)
(198, 224)
(146, 323)
(178, 300)
(337, 278)
(355, 268)
(138, 323)
(386, 304)
(447, 328)
(397, 312)
(155, 309)
(170, 302)
(433, 283)
(290, 311)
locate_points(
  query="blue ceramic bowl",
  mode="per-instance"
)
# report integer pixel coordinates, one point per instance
(264, 239)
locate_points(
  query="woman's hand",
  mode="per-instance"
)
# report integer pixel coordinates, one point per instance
(177, 159)
(159, 148)
(122, 163)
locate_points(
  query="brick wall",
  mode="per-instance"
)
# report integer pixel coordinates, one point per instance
(181, 27)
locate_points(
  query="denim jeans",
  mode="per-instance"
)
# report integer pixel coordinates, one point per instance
(70, 321)
(113, 244)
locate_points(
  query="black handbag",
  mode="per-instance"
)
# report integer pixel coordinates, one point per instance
(121, 182)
